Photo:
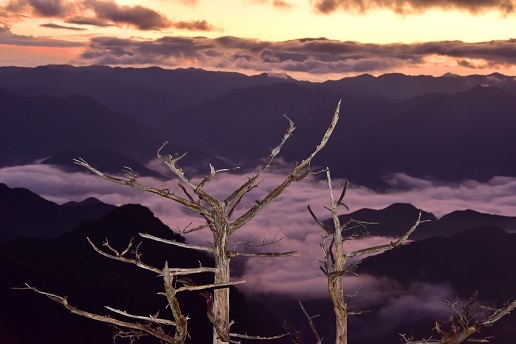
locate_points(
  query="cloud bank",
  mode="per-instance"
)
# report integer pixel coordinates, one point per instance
(316, 56)
(414, 6)
(394, 305)
(287, 217)
(105, 13)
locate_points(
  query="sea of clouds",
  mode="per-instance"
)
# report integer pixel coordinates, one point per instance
(287, 218)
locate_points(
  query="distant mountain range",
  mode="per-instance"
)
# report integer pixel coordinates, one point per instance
(398, 218)
(448, 128)
(57, 130)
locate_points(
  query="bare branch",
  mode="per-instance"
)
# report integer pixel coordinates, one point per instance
(319, 222)
(297, 173)
(294, 334)
(312, 326)
(151, 318)
(156, 332)
(344, 189)
(137, 262)
(387, 247)
(120, 257)
(133, 183)
(181, 320)
(264, 254)
(463, 331)
(198, 228)
(171, 163)
(264, 242)
(245, 336)
(176, 243)
(209, 286)
(249, 185)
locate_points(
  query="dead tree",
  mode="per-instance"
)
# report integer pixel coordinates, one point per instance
(462, 327)
(150, 324)
(217, 217)
(337, 264)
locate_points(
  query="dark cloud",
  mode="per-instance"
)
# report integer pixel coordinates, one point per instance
(316, 56)
(104, 13)
(141, 17)
(80, 20)
(56, 26)
(194, 25)
(43, 8)
(414, 6)
(9, 38)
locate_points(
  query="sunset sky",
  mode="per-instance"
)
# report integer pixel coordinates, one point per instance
(307, 39)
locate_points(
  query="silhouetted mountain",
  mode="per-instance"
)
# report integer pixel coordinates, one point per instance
(400, 86)
(465, 136)
(396, 219)
(481, 259)
(39, 126)
(451, 137)
(410, 281)
(25, 214)
(392, 221)
(137, 99)
(66, 128)
(69, 266)
(147, 94)
(461, 220)
(243, 123)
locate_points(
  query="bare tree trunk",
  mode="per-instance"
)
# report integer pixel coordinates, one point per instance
(335, 280)
(337, 264)
(222, 275)
(339, 307)
(337, 293)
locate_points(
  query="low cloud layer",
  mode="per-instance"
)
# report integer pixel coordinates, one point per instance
(104, 13)
(314, 56)
(414, 6)
(287, 217)
(395, 306)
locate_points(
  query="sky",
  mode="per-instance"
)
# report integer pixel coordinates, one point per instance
(307, 39)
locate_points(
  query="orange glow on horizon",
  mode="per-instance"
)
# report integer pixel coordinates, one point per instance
(27, 56)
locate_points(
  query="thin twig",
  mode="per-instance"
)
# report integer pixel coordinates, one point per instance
(312, 326)
(140, 317)
(245, 336)
(176, 243)
(265, 254)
